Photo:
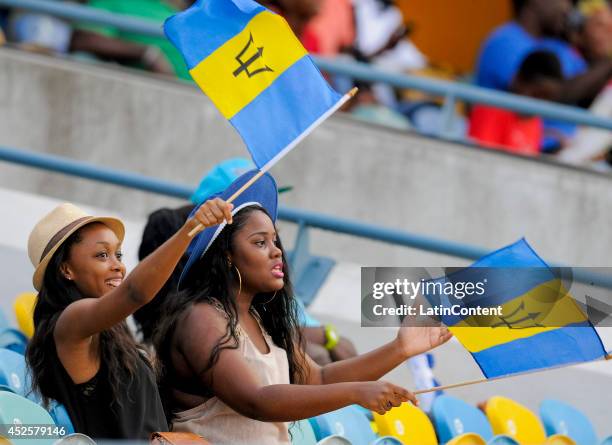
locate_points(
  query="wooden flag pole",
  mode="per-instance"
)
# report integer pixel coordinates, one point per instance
(250, 182)
(483, 380)
(238, 192)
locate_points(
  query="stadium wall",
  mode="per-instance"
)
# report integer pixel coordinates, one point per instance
(127, 120)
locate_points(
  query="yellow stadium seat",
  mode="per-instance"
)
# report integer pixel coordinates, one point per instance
(408, 424)
(24, 311)
(467, 439)
(517, 421)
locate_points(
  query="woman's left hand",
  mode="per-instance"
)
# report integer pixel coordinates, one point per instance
(415, 340)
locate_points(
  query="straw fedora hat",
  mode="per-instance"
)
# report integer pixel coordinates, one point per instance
(52, 230)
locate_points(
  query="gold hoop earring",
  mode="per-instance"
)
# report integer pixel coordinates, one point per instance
(270, 299)
(239, 280)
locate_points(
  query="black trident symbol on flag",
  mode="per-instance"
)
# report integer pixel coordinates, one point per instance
(244, 65)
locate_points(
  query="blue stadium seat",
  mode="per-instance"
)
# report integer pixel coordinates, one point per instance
(453, 417)
(17, 410)
(561, 418)
(13, 339)
(606, 441)
(13, 372)
(502, 440)
(302, 434)
(13, 376)
(351, 424)
(60, 416)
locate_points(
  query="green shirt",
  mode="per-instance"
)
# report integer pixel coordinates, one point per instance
(154, 10)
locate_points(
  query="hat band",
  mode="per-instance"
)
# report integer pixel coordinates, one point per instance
(59, 235)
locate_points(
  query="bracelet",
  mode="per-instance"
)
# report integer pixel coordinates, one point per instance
(331, 336)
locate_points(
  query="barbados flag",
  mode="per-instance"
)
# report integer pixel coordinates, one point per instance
(249, 63)
(540, 324)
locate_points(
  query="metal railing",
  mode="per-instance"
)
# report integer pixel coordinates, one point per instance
(304, 219)
(451, 91)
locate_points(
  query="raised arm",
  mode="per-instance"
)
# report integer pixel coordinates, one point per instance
(409, 342)
(88, 316)
(587, 85)
(234, 382)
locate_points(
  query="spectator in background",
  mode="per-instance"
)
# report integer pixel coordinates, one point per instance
(298, 14)
(155, 54)
(497, 128)
(538, 24)
(593, 30)
(3, 19)
(323, 342)
(333, 28)
(381, 40)
(541, 24)
(38, 32)
(593, 36)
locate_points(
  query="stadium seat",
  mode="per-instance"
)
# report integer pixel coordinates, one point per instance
(13, 377)
(606, 441)
(502, 439)
(351, 424)
(517, 421)
(408, 424)
(561, 418)
(453, 417)
(559, 439)
(17, 410)
(302, 433)
(13, 339)
(24, 312)
(467, 439)
(13, 372)
(60, 416)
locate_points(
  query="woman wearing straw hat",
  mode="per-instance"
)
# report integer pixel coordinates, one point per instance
(233, 367)
(81, 353)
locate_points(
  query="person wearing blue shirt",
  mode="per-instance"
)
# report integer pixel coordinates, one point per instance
(540, 25)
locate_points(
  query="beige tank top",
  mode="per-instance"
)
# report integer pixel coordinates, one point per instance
(220, 424)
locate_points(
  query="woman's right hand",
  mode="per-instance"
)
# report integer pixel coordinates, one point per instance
(211, 213)
(381, 396)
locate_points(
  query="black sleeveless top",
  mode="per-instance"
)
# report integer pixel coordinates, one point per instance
(135, 414)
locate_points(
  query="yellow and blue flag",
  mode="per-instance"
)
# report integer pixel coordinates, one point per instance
(540, 324)
(249, 63)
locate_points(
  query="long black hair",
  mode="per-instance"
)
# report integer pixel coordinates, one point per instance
(118, 350)
(212, 277)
